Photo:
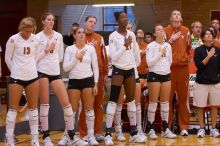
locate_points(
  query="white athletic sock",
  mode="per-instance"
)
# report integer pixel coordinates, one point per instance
(131, 110)
(152, 107)
(164, 111)
(68, 117)
(117, 118)
(44, 110)
(90, 117)
(10, 123)
(138, 117)
(33, 121)
(110, 112)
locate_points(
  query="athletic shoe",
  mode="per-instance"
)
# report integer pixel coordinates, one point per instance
(168, 134)
(34, 141)
(92, 140)
(64, 140)
(76, 141)
(143, 136)
(99, 137)
(137, 139)
(48, 142)
(214, 132)
(184, 133)
(108, 140)
(151, 134)
(120, 136)
(201, 133)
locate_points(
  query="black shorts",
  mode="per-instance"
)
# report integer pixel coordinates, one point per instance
(81, 83)
(125, 73)
(142, 76)
(21, 82)
(153, 77)
(50, 77)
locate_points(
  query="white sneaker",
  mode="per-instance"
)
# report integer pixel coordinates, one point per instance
(120, 136)
(151, 134)
(99, 137)
(92, 140)
(77, 142)
(64, 140)
(137, 139)
(201, 133)
(34, 141)
(47, 141)
(184, 133)
(214, 132)
(108, 140)
(143, 136)
(168, 134)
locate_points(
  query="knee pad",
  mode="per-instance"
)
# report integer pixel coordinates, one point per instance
(67, 110)
(115, 91)
(44, 110)
(111, 107)
(90, 116)
(131, 107)
(164, 106)
(11, 115)
(33, 114)
(152, 107)
(68, 117)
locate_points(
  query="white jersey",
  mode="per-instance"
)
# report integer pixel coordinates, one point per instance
(50, 63)
(21, 57)
(81, 69)
(122, 58)
(156, 62)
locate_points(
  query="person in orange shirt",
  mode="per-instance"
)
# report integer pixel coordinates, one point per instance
(196, 28)
(148, 37)
(179, 38)
(97, 41)
(216, 25)
(142, 68)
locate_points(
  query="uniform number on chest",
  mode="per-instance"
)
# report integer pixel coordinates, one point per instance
(27, 50)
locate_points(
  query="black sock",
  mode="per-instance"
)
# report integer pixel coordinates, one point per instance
(46, 134)
(164, 125)
(71, 134)
(133, 130)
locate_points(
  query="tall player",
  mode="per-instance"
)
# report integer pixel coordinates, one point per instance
(51, 54)
(179, 38)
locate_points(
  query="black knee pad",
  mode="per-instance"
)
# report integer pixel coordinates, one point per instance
(115, 91)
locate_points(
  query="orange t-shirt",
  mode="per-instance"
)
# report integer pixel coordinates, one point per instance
(143, 68)
(180, 47)
(217, 41)
(100, 51)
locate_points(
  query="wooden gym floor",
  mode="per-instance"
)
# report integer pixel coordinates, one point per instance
(192, 140)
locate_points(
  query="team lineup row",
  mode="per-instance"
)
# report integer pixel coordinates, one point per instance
(34, 63)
